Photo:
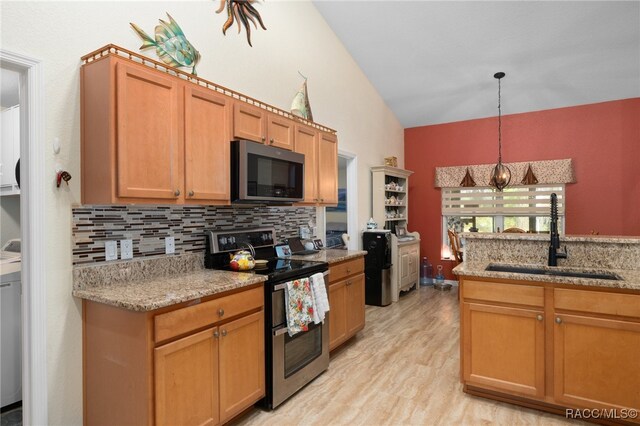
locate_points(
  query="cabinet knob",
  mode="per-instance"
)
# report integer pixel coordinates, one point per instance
(539, 317)
(348, 271)
(315, 199)
(191, 193)
(348, 282)
(271, 141)
(322, 200)
(220, 312)
(558, 320)
(216, 334)
(177, 193)
(224, 333)
(263, 139)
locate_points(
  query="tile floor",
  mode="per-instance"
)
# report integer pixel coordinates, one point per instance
(402, 369)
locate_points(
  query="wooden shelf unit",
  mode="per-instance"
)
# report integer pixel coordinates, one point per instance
(382, 204)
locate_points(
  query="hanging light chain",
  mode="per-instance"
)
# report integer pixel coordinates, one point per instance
(499, 125)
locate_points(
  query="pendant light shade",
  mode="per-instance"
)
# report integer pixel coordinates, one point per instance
(501, 174)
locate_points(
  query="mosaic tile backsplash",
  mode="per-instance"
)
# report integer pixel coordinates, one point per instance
(148, 226)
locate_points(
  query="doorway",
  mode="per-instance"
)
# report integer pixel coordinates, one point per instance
(10, 255)
(342, 219)
(31, 175)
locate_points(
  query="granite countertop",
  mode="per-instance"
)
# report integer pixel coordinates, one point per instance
(630, 279)
(145, 285)
(600, 239)
(332, 255)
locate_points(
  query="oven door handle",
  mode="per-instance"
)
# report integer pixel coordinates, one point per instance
(280, 331)
(283, 285)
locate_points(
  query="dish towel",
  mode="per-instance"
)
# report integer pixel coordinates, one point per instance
(299, 305)
(321, 302)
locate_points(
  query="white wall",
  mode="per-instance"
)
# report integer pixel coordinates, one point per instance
(298, 38)
(9, 218)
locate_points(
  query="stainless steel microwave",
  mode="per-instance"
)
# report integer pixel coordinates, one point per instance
(265, 174)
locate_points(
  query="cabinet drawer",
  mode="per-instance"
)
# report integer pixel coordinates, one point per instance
(505, 293)
(598, 302)
(184, 320)
(342, 270)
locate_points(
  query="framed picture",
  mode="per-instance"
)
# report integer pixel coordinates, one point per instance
(318, 244)
(401, 231)
(283, 250)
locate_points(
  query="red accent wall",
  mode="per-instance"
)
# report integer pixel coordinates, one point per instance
(603, 140)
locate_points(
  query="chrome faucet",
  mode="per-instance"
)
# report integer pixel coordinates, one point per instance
(554, 246)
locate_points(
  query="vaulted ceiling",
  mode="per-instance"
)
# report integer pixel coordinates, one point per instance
(433, 61)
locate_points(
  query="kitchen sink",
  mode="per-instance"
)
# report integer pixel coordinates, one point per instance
(536, 270)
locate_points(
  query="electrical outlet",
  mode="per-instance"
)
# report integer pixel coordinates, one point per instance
(126, 249)
(169, 245)
(111, 250)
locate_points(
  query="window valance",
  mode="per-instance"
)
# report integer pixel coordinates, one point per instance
(546, 172)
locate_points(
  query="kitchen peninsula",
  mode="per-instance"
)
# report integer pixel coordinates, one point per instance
(551, 338)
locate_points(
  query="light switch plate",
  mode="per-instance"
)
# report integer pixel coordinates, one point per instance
(111, 250)
(126, 249)
(169, 245)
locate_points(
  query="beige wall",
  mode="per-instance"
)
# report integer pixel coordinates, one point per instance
(297, 38)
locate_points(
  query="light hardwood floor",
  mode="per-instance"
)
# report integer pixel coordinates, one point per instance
(402, 369)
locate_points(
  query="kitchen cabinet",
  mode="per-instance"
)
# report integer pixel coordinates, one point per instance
(149, 136)
(405, 267)
(255, 124)
(550, 345)
(346, 300)
(207, 121)
(321, 165)
(10, 153)
(596, 348)
(193, 363)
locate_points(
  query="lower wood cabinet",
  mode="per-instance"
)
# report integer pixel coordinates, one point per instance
(201, 364)
(551, 346)
(504, 348)
(346, 301)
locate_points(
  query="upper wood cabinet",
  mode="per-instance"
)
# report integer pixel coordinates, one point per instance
(255, 124)
(207, 132)
(321, 165)
(327, 168)
(151, 137)
(306, 142)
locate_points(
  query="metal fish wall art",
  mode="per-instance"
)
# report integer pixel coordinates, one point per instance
(243, 12)
(171, 44)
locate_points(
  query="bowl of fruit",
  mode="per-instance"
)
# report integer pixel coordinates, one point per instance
(242, 261)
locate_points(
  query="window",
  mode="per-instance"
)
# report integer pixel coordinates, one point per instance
(525, 207)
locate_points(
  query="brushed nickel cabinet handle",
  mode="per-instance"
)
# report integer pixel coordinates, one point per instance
(216, 334)
(191, 193)
(539, 317)
(558, 320)
(177, 193)
(220, 312)
(224, 333)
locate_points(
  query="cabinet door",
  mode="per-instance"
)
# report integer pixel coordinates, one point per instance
(328, 168)
(280, 132)
(306, 142)
(149, 149)
(355, 303)
(186, 380)
(504, 348)
(249, 122)
(414, 255)
(597, 362)
(337, 314)
(242, 381)
(405, 267)
(207, 141)
(10, 146)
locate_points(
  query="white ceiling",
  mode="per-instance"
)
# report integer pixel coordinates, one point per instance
(433, 62)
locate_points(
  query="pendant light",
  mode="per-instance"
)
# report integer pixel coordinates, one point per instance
(501, 174)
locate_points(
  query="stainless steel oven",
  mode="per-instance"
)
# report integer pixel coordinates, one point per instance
(292, 361)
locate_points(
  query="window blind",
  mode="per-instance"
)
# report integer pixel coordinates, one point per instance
(528, 200)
